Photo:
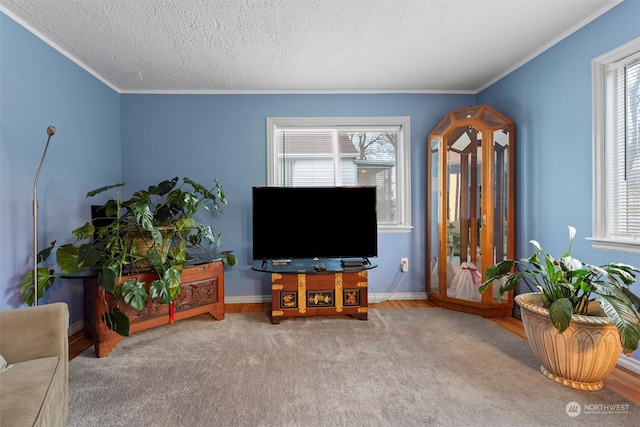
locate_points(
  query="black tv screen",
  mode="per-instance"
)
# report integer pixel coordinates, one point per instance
(314, 222)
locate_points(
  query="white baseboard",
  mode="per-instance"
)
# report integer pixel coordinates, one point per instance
(253, 299)
(629, 363)
(375, 297)
(76, 327)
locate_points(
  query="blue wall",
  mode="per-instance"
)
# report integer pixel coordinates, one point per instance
(549, 98)
(101, 133)
(224, 136)
(40, 87)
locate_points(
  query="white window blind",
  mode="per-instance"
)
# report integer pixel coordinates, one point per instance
(616, 149)
(623, 148)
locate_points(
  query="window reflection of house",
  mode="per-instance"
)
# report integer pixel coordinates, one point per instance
(327, 157)
(309, 160)
(382, 176)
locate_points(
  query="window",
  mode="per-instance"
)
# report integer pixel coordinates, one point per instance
(616, 149)
(341, 151)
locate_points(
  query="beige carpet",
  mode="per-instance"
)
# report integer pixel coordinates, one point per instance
(402, 367)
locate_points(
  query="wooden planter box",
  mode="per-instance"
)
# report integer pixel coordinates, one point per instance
(202, 292)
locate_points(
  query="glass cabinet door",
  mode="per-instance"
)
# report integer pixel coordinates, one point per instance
(470, 208)
(433, 233)
(464, 210)
(503, 210)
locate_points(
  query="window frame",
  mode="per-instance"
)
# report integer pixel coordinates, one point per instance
(403, 155)
(599, 67)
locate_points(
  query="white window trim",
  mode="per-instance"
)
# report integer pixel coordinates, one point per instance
(404, 153)
(599, 65)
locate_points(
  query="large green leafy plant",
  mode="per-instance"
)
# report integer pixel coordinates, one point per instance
(568, 286)
(163, 217)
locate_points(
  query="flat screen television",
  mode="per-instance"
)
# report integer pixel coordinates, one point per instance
(314, 222)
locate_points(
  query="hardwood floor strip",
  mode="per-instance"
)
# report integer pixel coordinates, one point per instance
(510, 324)
(620, 381)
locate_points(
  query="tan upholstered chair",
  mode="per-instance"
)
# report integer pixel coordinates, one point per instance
(35, 390)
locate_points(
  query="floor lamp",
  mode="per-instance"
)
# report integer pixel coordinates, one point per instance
(50, 131)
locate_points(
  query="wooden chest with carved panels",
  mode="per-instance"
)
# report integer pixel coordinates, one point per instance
(319, 294)
(201, 292)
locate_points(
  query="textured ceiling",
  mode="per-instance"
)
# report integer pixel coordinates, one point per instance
(302, 45)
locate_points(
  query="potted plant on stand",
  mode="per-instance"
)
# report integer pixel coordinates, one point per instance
(154, 230)
(581, 318)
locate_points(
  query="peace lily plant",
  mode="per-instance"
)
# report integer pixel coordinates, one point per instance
(568, 286)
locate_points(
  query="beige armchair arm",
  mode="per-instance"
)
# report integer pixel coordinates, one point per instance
(32, 392)
(35, 332)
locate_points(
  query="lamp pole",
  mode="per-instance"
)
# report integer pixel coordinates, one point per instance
(50, 131)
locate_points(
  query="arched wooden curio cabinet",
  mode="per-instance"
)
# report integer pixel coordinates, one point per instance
(470, 215)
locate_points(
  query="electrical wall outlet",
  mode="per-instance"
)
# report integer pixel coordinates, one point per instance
(404, 264)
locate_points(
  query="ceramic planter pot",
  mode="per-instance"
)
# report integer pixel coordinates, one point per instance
(582, 356)
(144, 242)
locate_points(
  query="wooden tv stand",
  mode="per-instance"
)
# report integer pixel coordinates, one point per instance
(297, 290)
(202, 292)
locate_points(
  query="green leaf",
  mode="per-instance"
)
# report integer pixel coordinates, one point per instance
(167, 288)
(46, 278)
(178, 254)
(134, 293)
(494, 272)
(27, 282)
(208, 234)
(164, 187)
(102, 189)
(108, 276)
(160, 292)
(499, 269)
(635, 299)
(606, 288)
(84, 232)
(229, 259)
(560, 312)
(44, 254)
(111, 209)
(172, 277)
(191, 202)
(88, 255)
(67, 259)
(143, 215)
(155, 259)
(117, 321)
(623, 271)
(625, 319)
(511, 282)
